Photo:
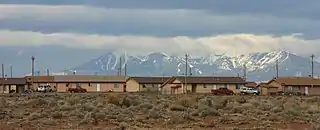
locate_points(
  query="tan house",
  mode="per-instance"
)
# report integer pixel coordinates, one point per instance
(138, 84)
(306, 85)
(201, 84)
(33, 82)
(266, 89)
(17, 84)
(93, 83)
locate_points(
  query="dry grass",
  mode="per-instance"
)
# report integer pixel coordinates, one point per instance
(134, 111)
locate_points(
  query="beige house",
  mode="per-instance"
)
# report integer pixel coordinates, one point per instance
(138, 84)
(201, 84)
(93, 83)
(306, 85)
(266, 89)
(17, 84)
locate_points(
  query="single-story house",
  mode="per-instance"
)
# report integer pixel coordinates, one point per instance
(306, 85)
(93, 83)
(138, 84)
(33, 82)
(201, 84)
(266, 89)
(17, 84)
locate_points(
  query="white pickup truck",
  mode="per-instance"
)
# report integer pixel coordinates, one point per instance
(45, 88)
(246, 90)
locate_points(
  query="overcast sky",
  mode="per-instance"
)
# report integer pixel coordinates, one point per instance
(171, 26)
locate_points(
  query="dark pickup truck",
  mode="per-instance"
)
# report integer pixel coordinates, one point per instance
(222, 91)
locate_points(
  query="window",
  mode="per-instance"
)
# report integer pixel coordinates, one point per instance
(204, 85)
(225, 85)
(115, 86)
(78, 85)
(289, 87)
(143, 86)
(68, 84)
(238, 86)
(154, 85)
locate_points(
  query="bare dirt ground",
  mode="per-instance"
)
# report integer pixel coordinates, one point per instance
(153, 111)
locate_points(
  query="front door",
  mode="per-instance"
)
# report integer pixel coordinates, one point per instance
(194, 88)
(125, 88)
(98, 88)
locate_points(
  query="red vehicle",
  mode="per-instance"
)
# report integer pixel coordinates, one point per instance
(222, 91)
(77, 90)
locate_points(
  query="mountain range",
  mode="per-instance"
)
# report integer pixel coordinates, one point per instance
(259, 66)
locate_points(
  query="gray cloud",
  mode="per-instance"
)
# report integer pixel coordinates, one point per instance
(283, 8)
(158, 22)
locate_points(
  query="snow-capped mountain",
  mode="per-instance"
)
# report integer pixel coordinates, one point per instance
(259, 66)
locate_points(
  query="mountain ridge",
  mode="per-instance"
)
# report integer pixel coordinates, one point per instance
(259, 65)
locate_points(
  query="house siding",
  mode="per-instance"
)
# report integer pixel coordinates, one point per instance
(149, 87)
(166, 89)
(200, 88)
(132, 86)
(276, 84)
(315, 90)
(92, 87)
(7, 88)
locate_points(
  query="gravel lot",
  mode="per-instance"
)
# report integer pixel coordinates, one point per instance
(146, 111)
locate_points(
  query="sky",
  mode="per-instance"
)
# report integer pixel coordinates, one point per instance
(174, 27)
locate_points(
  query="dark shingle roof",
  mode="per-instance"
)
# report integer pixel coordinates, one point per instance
(13, 81)
(150, 80)
(297, 81)
(212, 80)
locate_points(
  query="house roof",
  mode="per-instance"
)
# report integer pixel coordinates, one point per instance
(265, 85)
(297, 81)
(150, 80)
(40, 78)
(251, 84)
(89, 78)
(13, 81)
(207, 80)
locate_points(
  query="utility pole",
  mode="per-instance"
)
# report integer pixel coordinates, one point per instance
(48, 73)
(2, 79)
(312, 65)
(11, 75)
(120, 67)
(186, 74)
(32, 71)
(244, 72)
(125, 69)
(38, 73)
(277, 68)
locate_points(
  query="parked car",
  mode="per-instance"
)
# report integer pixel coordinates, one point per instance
(77, 90)
(246, 90)
(44, 88)
(222, 91)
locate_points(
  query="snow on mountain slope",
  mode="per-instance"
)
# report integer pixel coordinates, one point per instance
(259, 65)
